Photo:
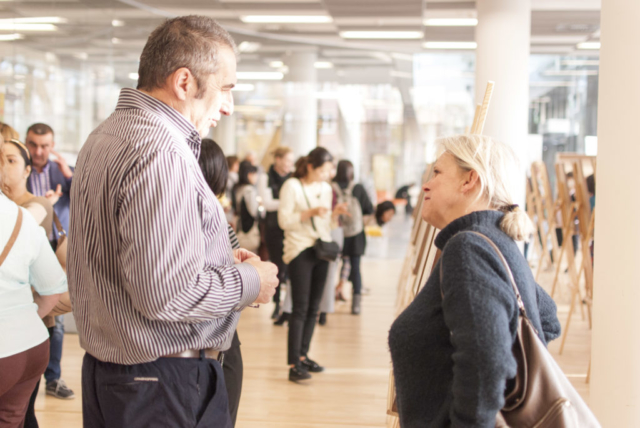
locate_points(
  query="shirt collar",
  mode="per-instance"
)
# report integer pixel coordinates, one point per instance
(133, 98)
(489, 218)
(45, 169)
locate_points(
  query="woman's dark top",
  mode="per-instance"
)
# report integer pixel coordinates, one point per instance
(356, 245)
(275, 184)
(452, 356)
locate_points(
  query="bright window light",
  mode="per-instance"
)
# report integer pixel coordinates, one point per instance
(450, 45)
(276, 64)
(580, 62)
(571, 73)
(248, 47)
(450, 22)
(381, 34)
(323, 64)
(133, 76)
(35, 20)
(10, 37)
(591, 145)
(13, 26)
(243, 87)
(588, 45)
(259, 75)
(286, 19)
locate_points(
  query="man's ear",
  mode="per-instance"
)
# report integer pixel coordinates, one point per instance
(471, 179)
(179, 83)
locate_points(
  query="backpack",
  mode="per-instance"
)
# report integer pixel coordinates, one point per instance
(354, 224)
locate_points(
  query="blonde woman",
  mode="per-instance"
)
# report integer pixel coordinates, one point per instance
(451, 348)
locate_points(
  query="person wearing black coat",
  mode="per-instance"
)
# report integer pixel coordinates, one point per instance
(451, 347)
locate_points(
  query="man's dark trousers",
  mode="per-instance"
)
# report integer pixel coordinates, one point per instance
(168, 392)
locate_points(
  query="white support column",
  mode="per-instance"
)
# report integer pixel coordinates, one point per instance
(615, 378)
(300, 131)
(502, 55)
(225, 135)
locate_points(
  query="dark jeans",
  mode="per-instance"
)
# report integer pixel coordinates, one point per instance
(19, 373)
(308, 275)
(55, 351)
(355, 276)
(233, 371)
(168, 392)
(274, 239)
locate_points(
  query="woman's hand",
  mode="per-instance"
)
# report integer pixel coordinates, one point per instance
(341, 209)
(241, 255)
(45, 303)
(314, 212)
(53, 196)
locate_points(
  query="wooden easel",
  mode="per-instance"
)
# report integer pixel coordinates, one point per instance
(422, 254)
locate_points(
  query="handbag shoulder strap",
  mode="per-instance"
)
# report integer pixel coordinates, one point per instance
(313, 224)
(12, 238)
(506, 266)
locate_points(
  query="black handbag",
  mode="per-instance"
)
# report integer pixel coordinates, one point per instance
(325, 250)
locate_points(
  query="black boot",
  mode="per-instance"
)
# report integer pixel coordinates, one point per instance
(276, 311)
(284, 317)
(323, 318)
(355, 304)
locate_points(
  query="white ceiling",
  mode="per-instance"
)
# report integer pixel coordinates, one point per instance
(556, 27)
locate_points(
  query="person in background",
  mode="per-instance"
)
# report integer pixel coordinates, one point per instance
(355, 240)
(247, 207)
(139, 195)
(233, 165)
(403, 193)
(305, 215)
(385, 212)
(51, 179)
(464, 321)
(269, 185)
(26, 261)
(215, 171)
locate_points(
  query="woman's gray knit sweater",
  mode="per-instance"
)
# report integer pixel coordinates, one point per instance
(452, 357)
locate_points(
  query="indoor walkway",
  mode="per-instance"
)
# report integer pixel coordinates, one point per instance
(352, 392)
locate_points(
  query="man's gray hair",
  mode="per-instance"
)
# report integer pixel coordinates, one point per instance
(190, 41)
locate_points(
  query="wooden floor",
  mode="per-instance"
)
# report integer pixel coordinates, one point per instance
(352, 392)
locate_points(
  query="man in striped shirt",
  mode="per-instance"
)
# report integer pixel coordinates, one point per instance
(156, 288)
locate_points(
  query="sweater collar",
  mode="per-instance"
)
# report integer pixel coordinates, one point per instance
(487, 218)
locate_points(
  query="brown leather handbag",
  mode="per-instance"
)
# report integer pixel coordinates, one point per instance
(542, 397)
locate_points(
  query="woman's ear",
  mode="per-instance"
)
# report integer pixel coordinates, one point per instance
(471, 180)
(27, 171)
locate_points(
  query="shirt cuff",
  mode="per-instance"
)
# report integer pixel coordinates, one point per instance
(250, 285)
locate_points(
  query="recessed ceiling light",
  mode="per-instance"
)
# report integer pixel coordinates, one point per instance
(450, 22)
(323, 64)
(8, 25)
(248, 47)
(259, 75)
(450, 45)
(81, 55)
(10, 37)
(580, 62)
(133, 76)
(588, 45)
(381, 34)
(35, 20)
(286, 19)
(570, 73)
(243, 87)
(276, 64)
(117, 23)
(116, 40)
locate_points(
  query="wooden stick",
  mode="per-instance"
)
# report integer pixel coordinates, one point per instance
(485, 108)
(476, 116)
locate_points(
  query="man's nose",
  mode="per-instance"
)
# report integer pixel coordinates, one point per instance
(227, 104)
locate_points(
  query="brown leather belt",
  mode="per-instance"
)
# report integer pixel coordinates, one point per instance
(199, 353)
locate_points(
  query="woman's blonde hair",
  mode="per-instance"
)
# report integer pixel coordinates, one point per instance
(8, 133)
(496, 166)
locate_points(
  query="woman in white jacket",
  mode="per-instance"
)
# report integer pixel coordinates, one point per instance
(305, 216)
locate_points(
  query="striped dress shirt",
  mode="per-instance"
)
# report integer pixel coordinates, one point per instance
(150, 266)
(40, 181)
